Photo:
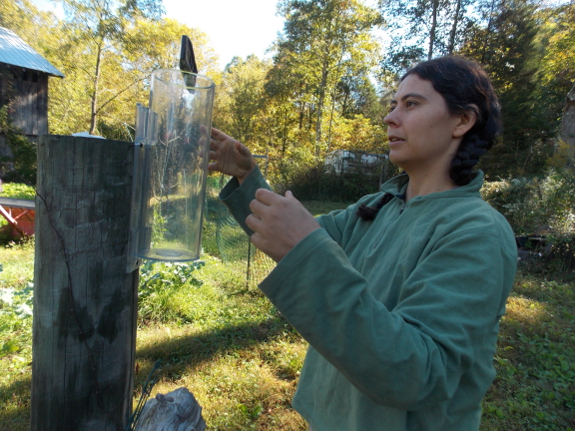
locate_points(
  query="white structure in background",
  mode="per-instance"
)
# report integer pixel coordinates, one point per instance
(345, 161)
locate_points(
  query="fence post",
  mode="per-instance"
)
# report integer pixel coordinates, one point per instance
(85, 304)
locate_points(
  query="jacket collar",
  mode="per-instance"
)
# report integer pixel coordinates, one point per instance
(398, 185)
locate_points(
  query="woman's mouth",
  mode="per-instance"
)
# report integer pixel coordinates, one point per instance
(395, 140)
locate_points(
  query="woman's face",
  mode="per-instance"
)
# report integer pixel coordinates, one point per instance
(422, 134)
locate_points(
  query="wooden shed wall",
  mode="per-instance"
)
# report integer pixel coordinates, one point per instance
(29, 92)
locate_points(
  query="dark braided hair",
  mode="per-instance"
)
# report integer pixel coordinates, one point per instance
(464, 86)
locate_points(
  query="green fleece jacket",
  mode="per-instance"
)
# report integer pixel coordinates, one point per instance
(401, 313)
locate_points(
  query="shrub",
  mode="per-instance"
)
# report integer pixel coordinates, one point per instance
(530, 204)
(543, 207)
(163, 287)
(319, 183)
(23, 157)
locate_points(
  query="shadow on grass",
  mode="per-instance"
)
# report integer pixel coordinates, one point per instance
(192, 350)
(15, 411)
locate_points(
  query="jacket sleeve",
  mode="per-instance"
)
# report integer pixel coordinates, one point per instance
(416, 353)
(238, 199)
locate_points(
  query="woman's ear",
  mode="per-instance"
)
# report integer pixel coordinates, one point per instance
(466, 121)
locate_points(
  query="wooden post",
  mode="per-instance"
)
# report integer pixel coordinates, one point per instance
(85, 304)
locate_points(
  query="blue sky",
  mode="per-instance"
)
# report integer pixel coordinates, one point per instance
(234, 27)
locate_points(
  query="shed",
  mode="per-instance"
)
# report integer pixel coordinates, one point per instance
(24, 82)
(348, 161)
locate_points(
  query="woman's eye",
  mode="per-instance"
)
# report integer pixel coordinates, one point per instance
(410, 103)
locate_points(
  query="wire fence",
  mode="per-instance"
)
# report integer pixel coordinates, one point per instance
(224, 237)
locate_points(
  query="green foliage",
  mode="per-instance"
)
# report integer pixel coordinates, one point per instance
(242, 360)
(98, 29)
(535, 383)
(423, 29)
(319, 183)
(241, 102)
(23, 157)
(16, 297)
(324, 41)
(164, 290)
(507, 49)
(107, 51)
(532, 203)
(17, 191)
(556, 39)
(15, 318)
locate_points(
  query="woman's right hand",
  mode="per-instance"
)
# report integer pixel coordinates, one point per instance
(229, 156)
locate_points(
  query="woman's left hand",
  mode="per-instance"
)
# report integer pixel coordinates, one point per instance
(279, 223)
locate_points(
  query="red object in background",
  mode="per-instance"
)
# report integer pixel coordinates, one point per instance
(20, 214)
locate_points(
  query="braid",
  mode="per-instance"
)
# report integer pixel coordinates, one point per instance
(468, 154)
(465, 86)
(368, 213)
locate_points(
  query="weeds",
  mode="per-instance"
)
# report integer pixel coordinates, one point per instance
(16, 295)
(535, 360)
(241, 359)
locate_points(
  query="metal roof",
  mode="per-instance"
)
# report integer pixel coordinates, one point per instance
(16, 52)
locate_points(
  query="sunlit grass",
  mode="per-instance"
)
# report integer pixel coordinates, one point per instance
(535, 361)
(17, 267)
(223, 340)
(17, 264)
(237, 355)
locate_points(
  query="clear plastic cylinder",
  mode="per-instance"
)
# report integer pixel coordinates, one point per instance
(173, 159)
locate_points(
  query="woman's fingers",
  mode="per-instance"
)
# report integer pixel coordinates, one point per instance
(219, 135)
(278, 222)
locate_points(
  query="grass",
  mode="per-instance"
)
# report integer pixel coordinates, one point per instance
(230, 347)
(16, 274)
(535, 384)
(17, 191)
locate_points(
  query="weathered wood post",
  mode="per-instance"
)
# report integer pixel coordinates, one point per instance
(85, 303)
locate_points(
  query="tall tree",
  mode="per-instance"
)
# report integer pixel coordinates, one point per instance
(568, 128)
(506, 46)
(438, 24)
(241, 107)
(99, 25)
(556, 77)
(322, 40)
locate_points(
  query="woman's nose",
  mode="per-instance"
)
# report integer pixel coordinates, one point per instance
(390, 119)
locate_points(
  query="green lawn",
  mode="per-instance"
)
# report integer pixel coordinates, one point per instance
(224, 341)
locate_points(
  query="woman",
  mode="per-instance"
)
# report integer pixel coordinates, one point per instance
(399, 295)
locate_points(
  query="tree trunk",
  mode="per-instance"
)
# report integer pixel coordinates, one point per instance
(85, 304)
(453, 32)
(568, 126)
(323, 84)
(432, 30)
(487, 33)
(94, 106)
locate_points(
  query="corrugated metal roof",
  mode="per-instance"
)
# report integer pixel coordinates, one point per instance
(16, 52)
